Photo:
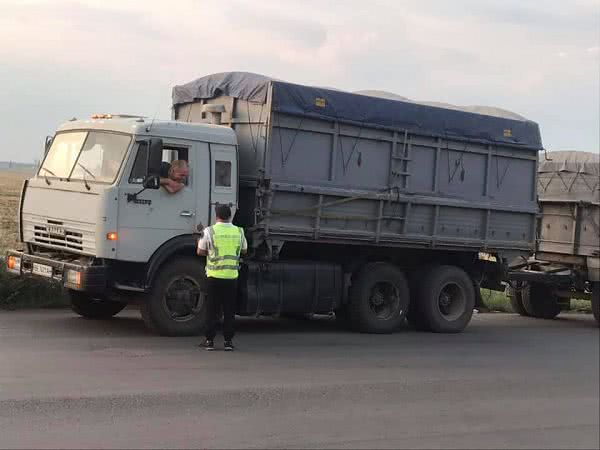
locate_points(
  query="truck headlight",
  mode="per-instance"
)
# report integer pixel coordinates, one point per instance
(13, 263)
(74, 277)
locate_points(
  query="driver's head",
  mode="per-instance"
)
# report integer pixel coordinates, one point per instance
(179, 170)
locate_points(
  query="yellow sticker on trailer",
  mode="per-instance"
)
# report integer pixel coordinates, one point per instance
(320, 102)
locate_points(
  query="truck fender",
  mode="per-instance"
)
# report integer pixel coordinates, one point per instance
(179, 245)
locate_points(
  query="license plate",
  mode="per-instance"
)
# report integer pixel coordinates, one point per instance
(42, 270)
(56, 230)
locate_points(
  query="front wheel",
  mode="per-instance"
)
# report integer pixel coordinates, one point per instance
(446, 299)
(93, 306)
(175, 305)
(379, 299)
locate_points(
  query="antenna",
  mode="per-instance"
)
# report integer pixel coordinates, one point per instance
(149, 128)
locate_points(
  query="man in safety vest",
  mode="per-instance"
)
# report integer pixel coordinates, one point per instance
(222, 243)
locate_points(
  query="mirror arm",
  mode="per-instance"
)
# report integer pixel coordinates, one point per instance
(133, 197)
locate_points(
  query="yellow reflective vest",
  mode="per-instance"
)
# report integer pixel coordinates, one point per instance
(225, 245)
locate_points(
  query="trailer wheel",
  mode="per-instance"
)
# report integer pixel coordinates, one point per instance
(446, 298)
(175, 305)
(540, 301)
(379, 299)
(596, 301)
(516, 299)
(93, 307)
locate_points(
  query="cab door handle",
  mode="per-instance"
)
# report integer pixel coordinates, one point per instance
(186, 214)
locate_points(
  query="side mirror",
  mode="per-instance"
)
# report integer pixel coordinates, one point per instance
(151, 182)
(155, 146)
(48, 143)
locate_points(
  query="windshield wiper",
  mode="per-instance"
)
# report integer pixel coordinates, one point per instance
(84, 168)
(45, 177)
(49, 171)
(85, 183)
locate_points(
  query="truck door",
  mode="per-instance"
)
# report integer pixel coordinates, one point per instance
(224, 178)
(155, 216)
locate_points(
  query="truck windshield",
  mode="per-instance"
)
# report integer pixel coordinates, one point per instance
(86, 155)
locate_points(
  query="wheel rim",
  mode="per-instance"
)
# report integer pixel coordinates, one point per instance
(384, 300)
(183, 299)
(452, 301)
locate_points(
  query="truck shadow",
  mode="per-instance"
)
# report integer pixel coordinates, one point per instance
(129, 324)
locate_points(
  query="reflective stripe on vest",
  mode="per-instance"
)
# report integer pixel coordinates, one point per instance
(224, 251)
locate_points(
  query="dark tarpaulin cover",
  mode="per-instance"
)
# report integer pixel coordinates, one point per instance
(329, 104)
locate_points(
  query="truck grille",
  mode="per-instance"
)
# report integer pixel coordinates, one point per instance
(65, 238)
(69, 235)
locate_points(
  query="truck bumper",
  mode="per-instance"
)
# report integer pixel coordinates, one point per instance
(72, 275)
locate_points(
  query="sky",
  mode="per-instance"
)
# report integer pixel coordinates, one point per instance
(61, 59)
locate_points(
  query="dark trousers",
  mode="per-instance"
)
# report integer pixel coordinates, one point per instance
(222, 295)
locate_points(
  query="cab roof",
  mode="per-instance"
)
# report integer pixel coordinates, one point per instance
(142, 126)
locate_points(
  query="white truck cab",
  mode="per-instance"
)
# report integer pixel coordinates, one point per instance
(95, 216)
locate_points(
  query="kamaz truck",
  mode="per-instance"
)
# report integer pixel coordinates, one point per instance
(373, 209)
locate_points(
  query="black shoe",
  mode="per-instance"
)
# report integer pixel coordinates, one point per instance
(209, 344)
(229, 346)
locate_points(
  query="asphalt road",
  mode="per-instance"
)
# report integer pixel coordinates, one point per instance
(507, 381)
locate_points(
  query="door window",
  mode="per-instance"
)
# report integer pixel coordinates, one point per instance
(223, 173)
(177, 156)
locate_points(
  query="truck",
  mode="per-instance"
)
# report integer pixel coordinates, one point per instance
(371, 209)
(566, 262)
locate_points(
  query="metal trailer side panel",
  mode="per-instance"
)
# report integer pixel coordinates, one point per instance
(337, 182)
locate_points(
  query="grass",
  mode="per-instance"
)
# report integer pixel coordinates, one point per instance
(498, 302)
(18, 293)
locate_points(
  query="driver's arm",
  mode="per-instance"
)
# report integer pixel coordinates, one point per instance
(170, 185)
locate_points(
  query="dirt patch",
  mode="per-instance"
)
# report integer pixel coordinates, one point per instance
(10, 192)
(19, 292)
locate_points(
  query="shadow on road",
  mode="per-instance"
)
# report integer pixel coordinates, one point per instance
(130, 324)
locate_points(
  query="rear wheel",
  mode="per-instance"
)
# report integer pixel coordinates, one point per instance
(446, 299)
(175, 305)
(379, 299)
(515, 295)
(596, 301)
(540, 301)
(94, 306)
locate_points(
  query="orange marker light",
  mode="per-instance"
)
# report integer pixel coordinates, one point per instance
(10, 262)
(112, 236)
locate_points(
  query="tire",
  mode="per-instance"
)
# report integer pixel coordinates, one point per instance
(539, 301)
(94, 307)
(175, 304)
(379, 299)
(446, 299)
(516, 300)
(596, 301)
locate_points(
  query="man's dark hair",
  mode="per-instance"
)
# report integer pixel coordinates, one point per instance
(223, 212)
